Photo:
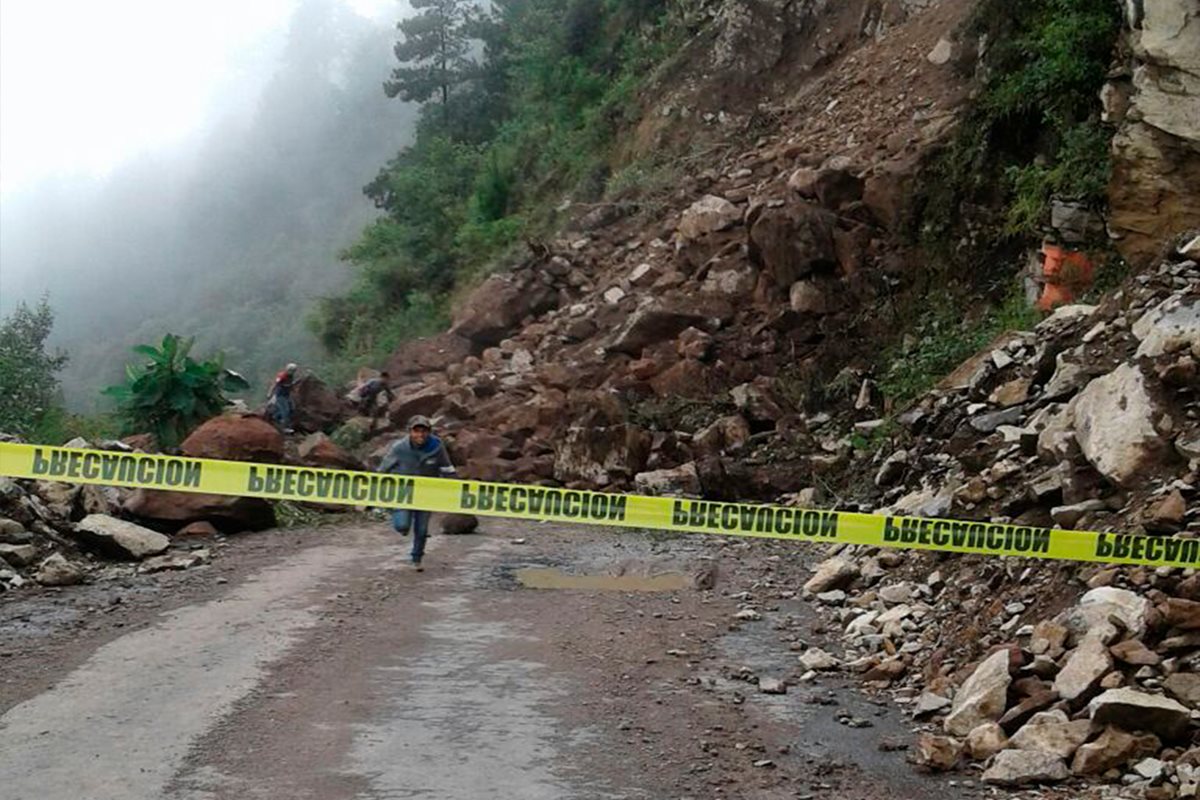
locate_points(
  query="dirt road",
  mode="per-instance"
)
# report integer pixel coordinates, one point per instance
(315, 665)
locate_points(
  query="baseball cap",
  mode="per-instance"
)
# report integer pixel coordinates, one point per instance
(420, 421)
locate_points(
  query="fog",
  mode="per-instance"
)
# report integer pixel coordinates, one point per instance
(217, 214)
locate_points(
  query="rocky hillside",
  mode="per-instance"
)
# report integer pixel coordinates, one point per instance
(732, 337)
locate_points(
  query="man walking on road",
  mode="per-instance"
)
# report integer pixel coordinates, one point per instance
(418, 453)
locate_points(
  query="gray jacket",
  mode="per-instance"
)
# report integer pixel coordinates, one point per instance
(431, 461)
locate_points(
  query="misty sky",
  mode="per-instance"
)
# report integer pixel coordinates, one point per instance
(88, 84)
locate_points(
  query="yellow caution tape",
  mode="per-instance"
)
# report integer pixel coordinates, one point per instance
(346, 487)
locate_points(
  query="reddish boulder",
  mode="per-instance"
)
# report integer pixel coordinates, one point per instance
(687, 379)
(228, 514)
(652, 324)
(475, 445)
(145, 442)
(235, 437)
(793, 241)
(423, 400)
(316, 406)
(497, 306)
(431, 354)
(318, 450)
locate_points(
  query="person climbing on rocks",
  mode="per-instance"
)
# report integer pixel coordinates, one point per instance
(419, 453)
(366, 394)
(279, 400)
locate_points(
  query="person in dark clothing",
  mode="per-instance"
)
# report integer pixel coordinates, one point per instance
(279, 401)
(418, 453)
(368, 392)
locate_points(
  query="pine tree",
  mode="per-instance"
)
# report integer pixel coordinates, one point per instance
(433, 51)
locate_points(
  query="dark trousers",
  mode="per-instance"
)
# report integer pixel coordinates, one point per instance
(418, 521)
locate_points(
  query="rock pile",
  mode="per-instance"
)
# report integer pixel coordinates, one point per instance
(57, 534)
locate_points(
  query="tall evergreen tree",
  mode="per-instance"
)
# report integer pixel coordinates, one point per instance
(27, 381)
(433, 51)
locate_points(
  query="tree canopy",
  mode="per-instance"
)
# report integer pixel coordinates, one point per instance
(28, 383)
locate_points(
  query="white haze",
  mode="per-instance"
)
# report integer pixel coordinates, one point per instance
(187, 167)
(85, 85)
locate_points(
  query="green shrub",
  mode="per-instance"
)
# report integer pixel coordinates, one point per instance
(946, 338)
(172, 393)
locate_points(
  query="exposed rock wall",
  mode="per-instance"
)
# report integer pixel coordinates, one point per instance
(1156, 151)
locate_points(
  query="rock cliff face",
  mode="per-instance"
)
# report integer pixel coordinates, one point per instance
(1156, 103)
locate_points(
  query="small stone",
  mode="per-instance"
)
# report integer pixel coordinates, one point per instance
(19, 555)
(986, 740)
(817, 659)
(1049, 638)
(929, 704)
(1184, 687)
(1166, 515)
(897, 593)
(941, 53)
(938, 753)
(198, 528)
(748, 615)
(1068, 515)
(833, 573)
(1013, 393)
(1150, 768)
(614, 295)
(771, 686)
(55, 570)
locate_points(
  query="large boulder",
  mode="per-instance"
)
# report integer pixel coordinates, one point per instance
(1115, 418)
(431, 354)
(1113, 748)
(681, 481)
(1106, 612)
(176, 509)
(118, 538)
(497, 306)
(1024, 767)
(316, 407)
(651, 324)
(420, 399)
(793, 241)
(982, 697)
(318, 450)
(235, 437)
(601, 456)
(1052, 732)
(1136, 710)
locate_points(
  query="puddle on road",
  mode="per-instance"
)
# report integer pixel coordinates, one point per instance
(550, 578)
